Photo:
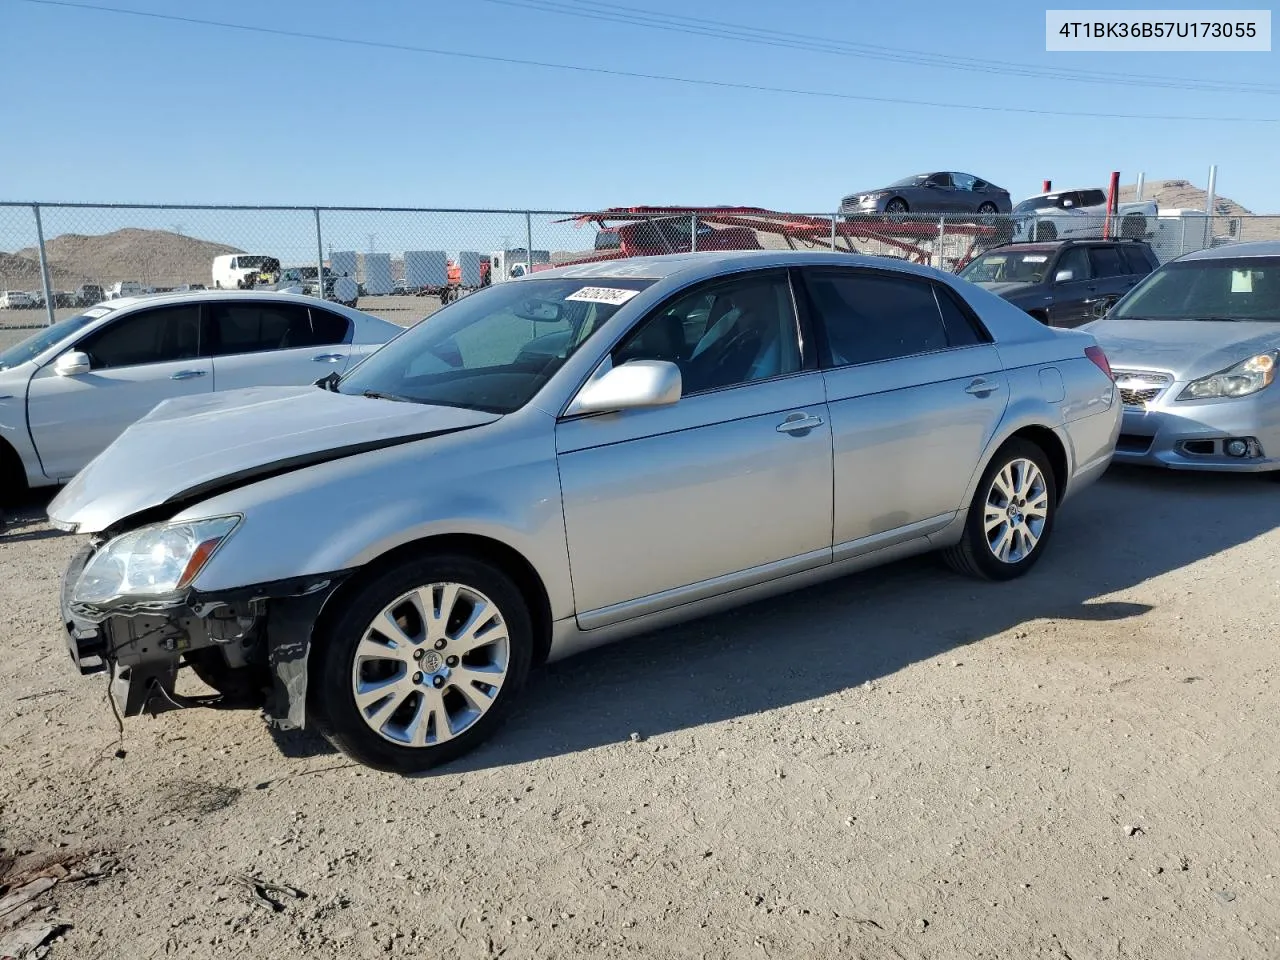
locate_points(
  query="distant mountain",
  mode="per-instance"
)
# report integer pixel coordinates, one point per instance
(152, 257)
(23, 273)
(1172, 194)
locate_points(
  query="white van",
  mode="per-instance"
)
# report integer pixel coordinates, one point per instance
(125, 288)
(231, 270)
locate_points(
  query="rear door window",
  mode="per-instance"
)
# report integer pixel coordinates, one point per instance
(327, 328)
(257, 327)
(868, 317)
(1106, 262)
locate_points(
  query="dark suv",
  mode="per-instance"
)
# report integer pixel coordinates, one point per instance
(1063, 283)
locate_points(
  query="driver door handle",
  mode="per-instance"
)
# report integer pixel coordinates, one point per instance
(799, 423)
(329, 357)
(982, 388)
(186, 374)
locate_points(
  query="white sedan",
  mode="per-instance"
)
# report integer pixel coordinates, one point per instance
(69, 390)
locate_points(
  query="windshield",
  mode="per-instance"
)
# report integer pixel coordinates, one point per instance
(492, 350)
(1007, 268)
(38, 343)
(912, 181)
(1037, 203)
(1236, 288)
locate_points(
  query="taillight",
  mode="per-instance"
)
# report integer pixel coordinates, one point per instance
(1100, 359)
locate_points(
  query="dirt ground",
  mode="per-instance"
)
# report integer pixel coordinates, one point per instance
(903, 764)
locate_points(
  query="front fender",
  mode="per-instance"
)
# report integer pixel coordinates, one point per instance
(342, 515)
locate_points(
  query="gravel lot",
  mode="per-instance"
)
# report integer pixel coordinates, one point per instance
(902, 764)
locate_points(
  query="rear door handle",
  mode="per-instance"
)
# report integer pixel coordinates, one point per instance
(329, 357)
(799, 423)
(186, 374)
(981, 388)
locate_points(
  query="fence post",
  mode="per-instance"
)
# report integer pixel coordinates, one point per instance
(693, 233)
(833, 232)
(942, 236)
(528, 241)
(320, 290)
(44, 265)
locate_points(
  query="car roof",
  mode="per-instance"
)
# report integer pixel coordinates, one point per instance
(708, 264)
(1254, 248)
(1056, 193)
(186, 296)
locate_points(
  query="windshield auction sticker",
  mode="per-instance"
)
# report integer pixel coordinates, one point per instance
(1224, 31)
(613, 295)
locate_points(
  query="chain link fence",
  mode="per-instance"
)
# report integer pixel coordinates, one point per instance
(403, 263)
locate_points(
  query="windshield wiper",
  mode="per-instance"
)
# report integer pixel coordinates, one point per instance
(1215, 319)
(377, 395)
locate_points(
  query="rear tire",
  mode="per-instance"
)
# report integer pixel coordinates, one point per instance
(477, 631)
(1133, 226)
(1011, 516)
(1045, 232)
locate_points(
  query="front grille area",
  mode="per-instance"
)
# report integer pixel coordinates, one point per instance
(1138, 388)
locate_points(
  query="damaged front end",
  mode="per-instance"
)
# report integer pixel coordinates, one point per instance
(250, 644)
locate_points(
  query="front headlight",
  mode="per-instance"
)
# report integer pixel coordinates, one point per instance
(153, 561)
(1246, 377)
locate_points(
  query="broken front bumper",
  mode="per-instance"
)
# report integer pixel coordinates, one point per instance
(266, 626)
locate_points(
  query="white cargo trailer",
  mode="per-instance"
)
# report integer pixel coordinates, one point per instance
(377, 274)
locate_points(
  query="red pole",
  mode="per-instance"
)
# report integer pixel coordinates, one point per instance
(1046, 186)
(1113, 198)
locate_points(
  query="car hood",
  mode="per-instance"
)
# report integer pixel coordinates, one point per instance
(1004, 288)
(191, 448)
(1188, 349)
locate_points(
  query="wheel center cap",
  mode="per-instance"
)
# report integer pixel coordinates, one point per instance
(432, 661)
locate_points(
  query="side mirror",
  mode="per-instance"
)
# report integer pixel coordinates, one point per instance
(1063, 276)
(72, 364)
(631, 386)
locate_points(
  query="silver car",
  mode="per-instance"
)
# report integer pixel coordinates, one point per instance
(559, 461)
(1194, 347)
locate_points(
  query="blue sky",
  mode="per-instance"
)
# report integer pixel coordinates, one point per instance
(116, 108)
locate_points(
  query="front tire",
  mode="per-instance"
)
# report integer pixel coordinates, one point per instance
(423, 663)
(1011, 516)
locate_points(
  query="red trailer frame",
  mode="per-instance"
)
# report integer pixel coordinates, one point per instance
(808, 230)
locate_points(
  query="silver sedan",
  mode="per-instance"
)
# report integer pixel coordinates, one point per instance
(559, 461)
(1195, 347)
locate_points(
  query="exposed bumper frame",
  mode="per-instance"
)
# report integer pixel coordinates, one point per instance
(292, 608)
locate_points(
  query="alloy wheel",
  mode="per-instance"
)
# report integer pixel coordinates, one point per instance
(1017, 509)
(431, 664)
